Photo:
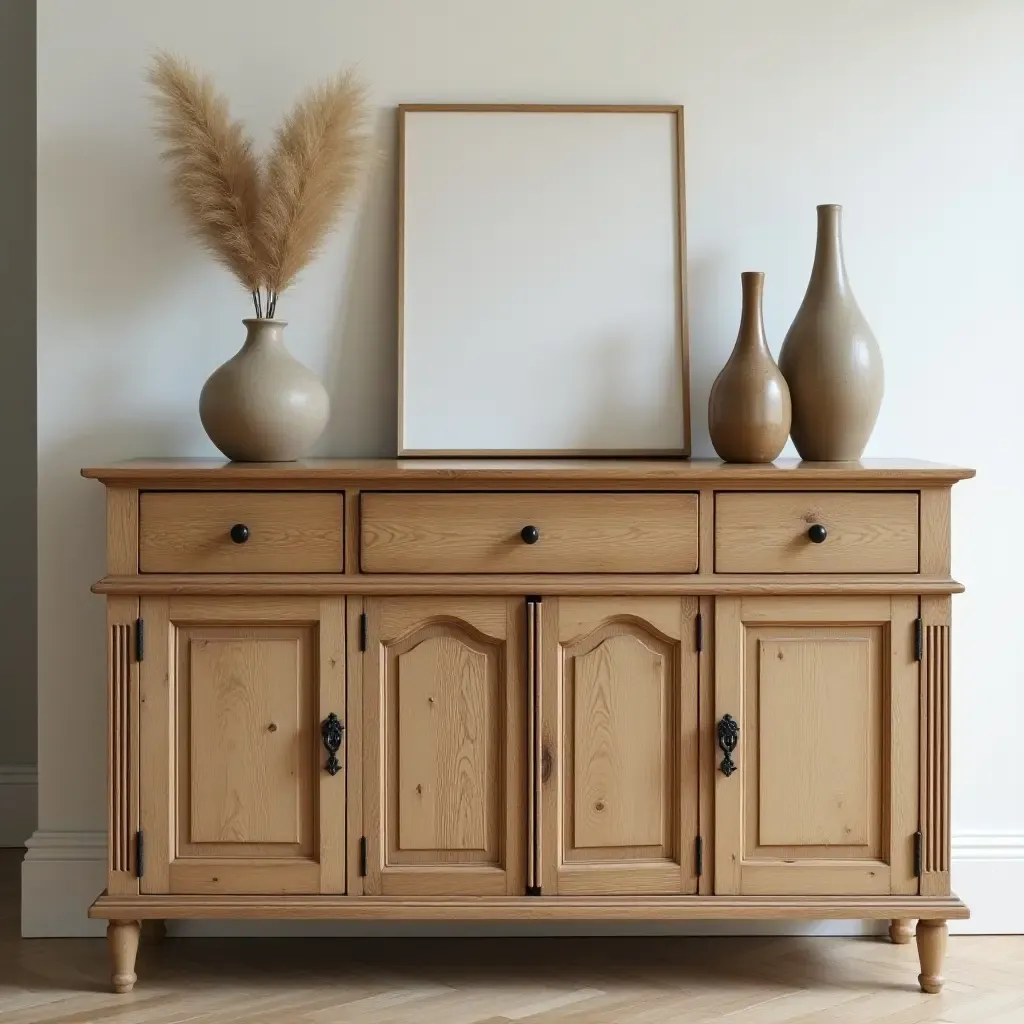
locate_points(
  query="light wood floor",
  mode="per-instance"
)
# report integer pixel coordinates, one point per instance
(493, 981)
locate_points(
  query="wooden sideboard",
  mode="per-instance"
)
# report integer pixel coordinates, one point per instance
(573, 690)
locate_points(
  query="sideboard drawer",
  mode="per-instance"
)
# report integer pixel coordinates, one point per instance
(493, 532)
(816, 531)
(240, 531)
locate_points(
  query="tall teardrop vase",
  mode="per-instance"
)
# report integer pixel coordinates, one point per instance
(749, 408)
(263, 405)
(831, 359)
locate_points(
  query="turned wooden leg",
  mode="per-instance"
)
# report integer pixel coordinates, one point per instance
(901, 931)
(123, 939)
(931, 948)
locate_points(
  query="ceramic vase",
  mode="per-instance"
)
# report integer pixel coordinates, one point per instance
(263, 405)
(830, 358)
(749, 407)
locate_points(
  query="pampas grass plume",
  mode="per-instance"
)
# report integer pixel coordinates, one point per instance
(265, 224)
(316, 162)
(215, 177)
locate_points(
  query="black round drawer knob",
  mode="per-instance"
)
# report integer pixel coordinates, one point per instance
(530, 534)
(817, 533)
(239, 533)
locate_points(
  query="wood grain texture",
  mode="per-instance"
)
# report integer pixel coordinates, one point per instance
(931, 948)
(814, 807)
(444, 685)
(157, 711)
(466, 533)
(540, 474)
(934, 751)
(536, 908)
(621, 711)
(354, 744)
(729, 700)
(351, 531)
(122, 744)
(824, 798)
(187, 532)
(622, 725)
(245, 722)
(936, 535)
(122, 531)
(819, 740)
(123, 941)
(767, 533)
(447, 748)
(224, 585)
(330, 815)
(706, 745)
(231, 694)
(901, 749)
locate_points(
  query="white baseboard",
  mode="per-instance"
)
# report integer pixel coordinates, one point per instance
(988, 875)
(65, 871)
(18, 790)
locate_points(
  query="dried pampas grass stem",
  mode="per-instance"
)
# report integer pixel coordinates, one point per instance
(216, 178)
(314, 166)
(266, 225)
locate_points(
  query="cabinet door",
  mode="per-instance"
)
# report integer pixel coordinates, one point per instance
(235, 793)
(619, 761)
(823, 797)
(444, 746)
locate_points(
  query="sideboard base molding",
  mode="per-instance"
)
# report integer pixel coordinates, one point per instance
(511, 908)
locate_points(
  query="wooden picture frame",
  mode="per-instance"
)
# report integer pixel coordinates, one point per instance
(497, 359)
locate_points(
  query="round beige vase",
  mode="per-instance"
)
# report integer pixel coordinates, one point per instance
(263, 405)
(749, 408)
(830, 358)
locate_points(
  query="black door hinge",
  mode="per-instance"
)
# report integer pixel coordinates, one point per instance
(362, 631)
(700, 856)
(918, 853)
(139, 638)
(700, 633)
(362, 857)
(138, 854)
(918, 639)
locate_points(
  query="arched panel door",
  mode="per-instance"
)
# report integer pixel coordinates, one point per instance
(620, 747)
(444, 706)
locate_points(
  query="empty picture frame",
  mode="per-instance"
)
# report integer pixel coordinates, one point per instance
(542, 281)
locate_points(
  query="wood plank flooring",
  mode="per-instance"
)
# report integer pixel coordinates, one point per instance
(496, 981)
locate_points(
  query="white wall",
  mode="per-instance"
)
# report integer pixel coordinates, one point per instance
(908, 113)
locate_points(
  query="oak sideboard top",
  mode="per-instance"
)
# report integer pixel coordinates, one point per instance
(658, 473)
